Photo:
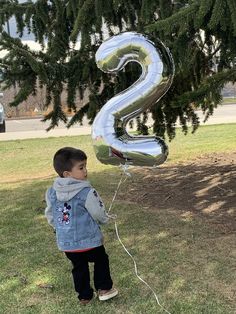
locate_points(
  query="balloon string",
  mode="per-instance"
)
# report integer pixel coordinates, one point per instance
(117, 189)
(126, 250)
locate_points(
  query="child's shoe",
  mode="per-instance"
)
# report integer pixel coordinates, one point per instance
(84, 301)
(87, 301)
(105, 295)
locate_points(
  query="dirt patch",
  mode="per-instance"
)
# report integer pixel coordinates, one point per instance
(204, 187)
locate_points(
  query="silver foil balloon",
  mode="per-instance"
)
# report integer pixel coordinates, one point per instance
(113, 145)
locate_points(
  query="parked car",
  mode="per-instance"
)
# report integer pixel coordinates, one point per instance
(2, 117)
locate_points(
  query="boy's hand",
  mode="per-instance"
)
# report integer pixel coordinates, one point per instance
(112, 216)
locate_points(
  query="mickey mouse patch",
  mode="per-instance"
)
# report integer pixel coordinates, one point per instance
(65, 217)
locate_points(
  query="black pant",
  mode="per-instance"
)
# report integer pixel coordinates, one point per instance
(80, 271)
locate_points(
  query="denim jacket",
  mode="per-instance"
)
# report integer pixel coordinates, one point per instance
(75, 210)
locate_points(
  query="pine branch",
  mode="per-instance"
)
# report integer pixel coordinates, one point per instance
(204, 10)
(176, 21)
(14, 44)
(217, 14)
(199, 96)
(82, 18)
(232, 8)
(23, 94)
(195, 31)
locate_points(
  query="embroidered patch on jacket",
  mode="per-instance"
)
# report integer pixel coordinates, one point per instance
(96, 195)
(65, 217)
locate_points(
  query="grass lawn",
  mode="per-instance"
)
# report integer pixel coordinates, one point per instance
(35, 277)
(229, 100)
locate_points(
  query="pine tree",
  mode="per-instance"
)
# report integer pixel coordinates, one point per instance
(202, 33)
(198, 33)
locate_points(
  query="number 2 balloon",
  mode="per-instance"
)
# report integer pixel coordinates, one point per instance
(112, 143)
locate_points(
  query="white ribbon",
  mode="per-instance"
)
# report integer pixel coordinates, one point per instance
(125, 171)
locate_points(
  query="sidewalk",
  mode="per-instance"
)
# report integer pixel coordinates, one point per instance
(222, 115)
(44, 134)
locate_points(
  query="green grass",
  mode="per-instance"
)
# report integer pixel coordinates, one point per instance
(230, 100)
(207, 139)
(190, 274)
(35, 156)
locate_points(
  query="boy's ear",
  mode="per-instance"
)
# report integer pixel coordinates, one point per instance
(66, 174)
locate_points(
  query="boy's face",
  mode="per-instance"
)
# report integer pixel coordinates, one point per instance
(78, 171)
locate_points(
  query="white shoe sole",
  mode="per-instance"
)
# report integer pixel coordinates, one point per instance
(106, 297)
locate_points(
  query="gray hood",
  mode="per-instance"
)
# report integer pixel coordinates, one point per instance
(67, 188)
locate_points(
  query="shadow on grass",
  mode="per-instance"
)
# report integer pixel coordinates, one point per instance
(199, 190)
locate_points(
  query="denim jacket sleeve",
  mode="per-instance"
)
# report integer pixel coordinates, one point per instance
(49, 209)
(95, 207)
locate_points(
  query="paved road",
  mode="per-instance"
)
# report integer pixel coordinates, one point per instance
(34, 128)
(35, 124)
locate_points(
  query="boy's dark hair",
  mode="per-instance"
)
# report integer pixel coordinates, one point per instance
(65, 158)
